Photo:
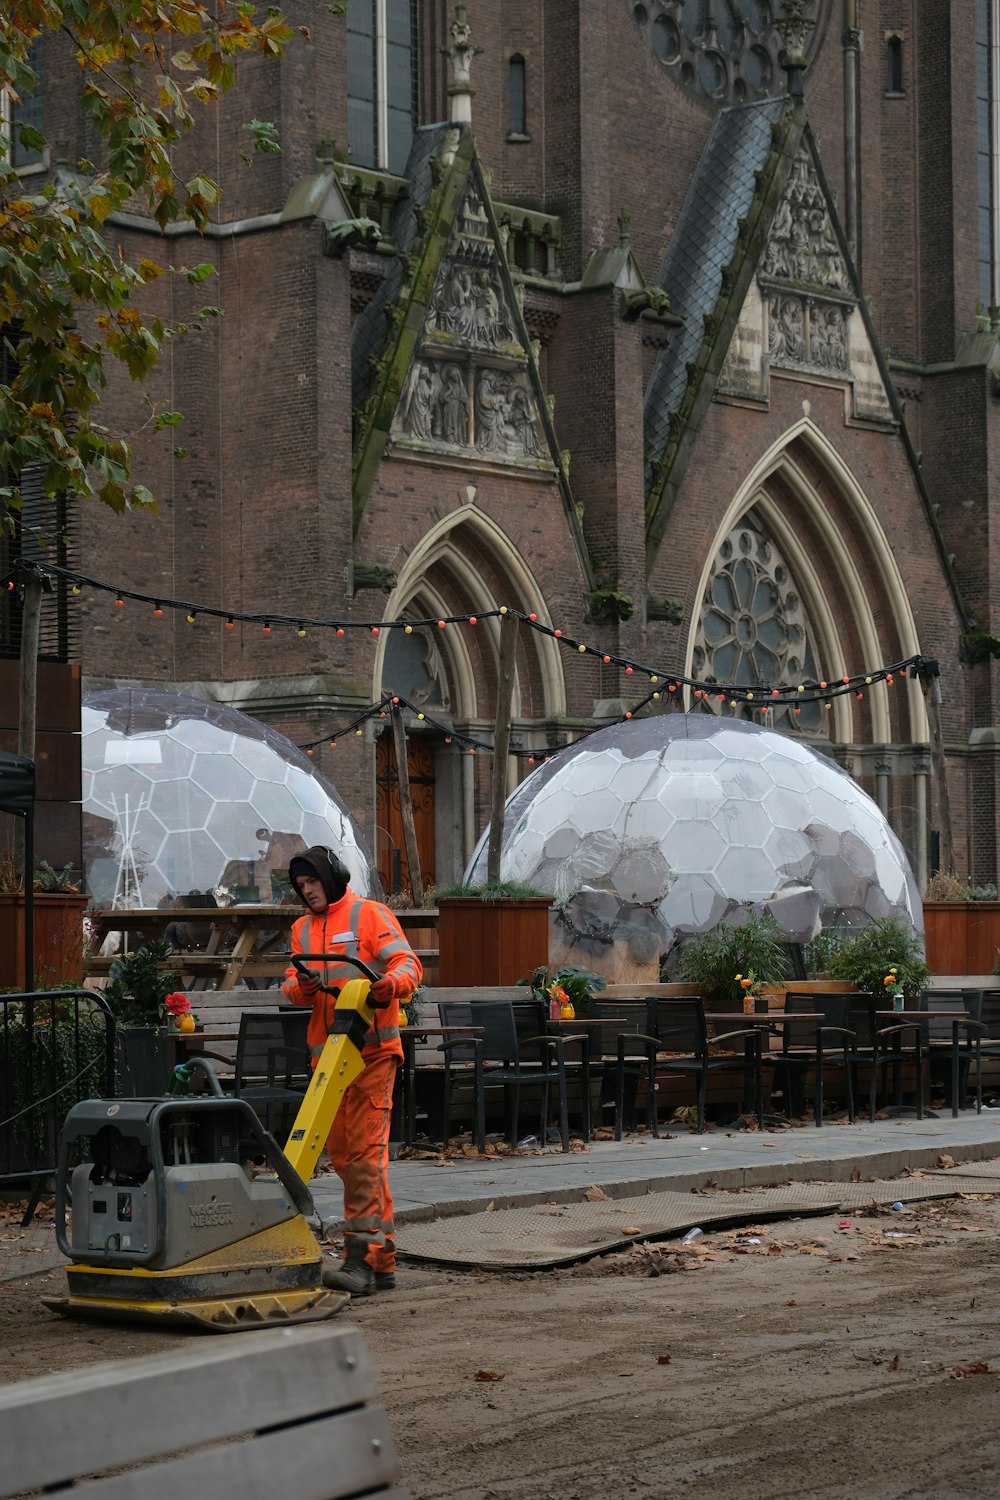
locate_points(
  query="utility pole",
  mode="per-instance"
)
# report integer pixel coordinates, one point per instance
(929, 675)
(501, 742)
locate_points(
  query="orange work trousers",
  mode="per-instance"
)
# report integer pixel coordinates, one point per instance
(358, 1147)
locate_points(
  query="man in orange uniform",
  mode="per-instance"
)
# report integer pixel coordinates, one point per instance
(338, 920)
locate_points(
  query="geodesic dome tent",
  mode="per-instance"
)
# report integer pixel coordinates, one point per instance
(656, 829)
(184, 797)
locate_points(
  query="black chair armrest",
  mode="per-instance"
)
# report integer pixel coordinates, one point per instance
(726, 1036)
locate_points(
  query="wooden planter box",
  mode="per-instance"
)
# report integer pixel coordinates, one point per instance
(58, 940)
(962, 937)
(420, 924)
(491, 942)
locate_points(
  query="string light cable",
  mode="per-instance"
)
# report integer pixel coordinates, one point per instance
(762, 697)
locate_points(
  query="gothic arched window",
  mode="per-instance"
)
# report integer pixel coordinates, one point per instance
(754, 630)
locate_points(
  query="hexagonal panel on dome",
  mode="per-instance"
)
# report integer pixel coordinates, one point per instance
(736, 811)
(182, 804)
(223, 778)
(642, 875)
(184, 796)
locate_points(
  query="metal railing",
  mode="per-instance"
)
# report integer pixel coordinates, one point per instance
(56, 1047)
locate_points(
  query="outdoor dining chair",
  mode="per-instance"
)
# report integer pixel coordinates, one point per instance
(987, 1042)
(502, 1060)
(272, 1069)
(683, 1045)
(615, 1046)
(809, 1045)
(951, 1057)
(886, 1045)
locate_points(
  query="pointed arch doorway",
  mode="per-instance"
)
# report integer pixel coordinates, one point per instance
(390, 844)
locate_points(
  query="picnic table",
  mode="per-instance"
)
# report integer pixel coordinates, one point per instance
(237, 948)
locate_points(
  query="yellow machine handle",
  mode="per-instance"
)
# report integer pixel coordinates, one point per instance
(339, 1064)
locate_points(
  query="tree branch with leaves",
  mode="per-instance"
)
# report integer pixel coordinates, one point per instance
(70, 300)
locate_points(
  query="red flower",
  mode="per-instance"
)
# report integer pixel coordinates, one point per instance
(177, 1004)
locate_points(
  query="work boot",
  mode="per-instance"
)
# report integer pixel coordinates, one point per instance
(385, 1281)
(353, 1275)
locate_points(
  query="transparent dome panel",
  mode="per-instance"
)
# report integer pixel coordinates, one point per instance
(223, 778)
(725, 811)
(187, 797)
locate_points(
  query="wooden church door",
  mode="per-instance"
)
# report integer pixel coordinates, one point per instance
(390, 843)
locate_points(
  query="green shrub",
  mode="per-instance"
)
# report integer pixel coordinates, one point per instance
(580, 984)
(56, 1063)
(713, 959)
(495, 890)
(865, 958)
(138, 987)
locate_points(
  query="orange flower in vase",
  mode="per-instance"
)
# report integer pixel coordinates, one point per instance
(178, 1008)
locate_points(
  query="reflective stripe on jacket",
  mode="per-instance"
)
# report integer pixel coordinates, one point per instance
(377, 939)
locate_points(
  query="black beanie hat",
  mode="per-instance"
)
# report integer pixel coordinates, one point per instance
(331, 872)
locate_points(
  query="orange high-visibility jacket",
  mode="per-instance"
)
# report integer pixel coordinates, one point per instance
(377, 938)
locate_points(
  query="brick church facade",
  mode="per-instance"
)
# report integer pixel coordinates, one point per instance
(675, 331)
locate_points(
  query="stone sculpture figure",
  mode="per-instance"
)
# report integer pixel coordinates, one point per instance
(522, 421)
(453, 407)
(491, 412)
(420, 407)
(486, 317)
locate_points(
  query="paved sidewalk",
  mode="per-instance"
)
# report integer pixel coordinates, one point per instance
(427, 1189)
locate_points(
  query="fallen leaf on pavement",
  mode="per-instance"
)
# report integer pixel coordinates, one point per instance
(663, 1359)
(973, 1367)
(944, 1160)
(488, 1375)
(596, 1194)
(893, 1363)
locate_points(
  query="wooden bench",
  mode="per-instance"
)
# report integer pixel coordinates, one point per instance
(283, 1412)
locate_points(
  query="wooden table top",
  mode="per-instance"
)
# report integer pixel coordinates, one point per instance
(152, 916)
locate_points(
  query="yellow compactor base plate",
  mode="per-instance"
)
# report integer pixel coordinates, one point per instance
(264, 1281)
(212, 1315)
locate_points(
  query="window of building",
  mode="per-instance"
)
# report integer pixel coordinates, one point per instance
(26, 111)
(754, 629)
(517, 108)
(894, 66)
(727, 51)
(381, 82)
(987, 152)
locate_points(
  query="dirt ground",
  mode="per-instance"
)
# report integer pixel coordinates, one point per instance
(815, 1357)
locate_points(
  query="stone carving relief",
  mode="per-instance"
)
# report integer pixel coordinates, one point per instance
(801, 312)
(802, 245)
(803, 331)
(504, 416)
(466, 306)
(469, 386)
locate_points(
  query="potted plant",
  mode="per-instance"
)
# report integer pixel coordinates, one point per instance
(569, 986)
(961, 925)
(139, 992)
(884, 956)
(721, 960)
(57, 914)
(489, 934)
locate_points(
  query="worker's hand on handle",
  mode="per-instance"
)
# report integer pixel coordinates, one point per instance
(308, 981)
(383, 990)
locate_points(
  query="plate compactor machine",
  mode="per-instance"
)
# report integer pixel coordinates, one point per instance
(184, 1208)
